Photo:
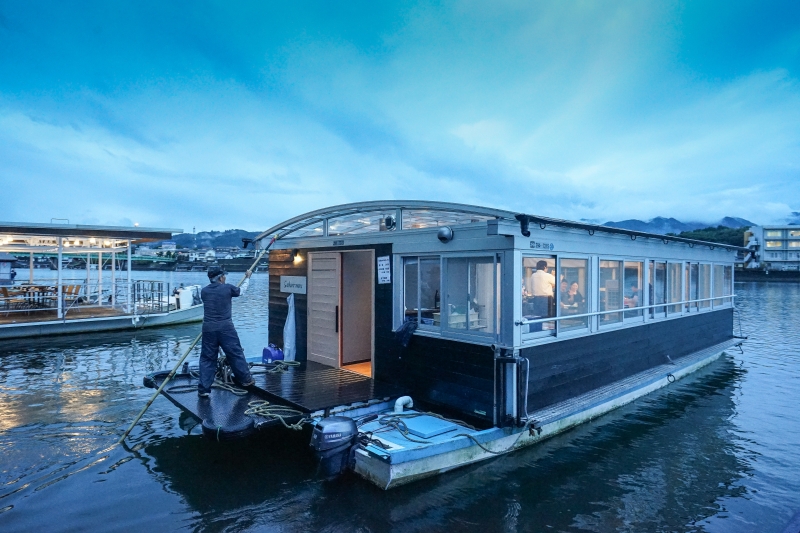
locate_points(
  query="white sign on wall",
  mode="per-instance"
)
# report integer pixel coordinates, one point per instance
(384, 270)
(295, 284)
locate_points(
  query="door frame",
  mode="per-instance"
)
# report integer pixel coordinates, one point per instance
(372, 269)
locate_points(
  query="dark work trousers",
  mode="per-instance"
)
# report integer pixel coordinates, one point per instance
(228, 340)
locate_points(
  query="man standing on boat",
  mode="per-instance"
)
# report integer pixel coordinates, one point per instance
(218, 331)
(543, 289)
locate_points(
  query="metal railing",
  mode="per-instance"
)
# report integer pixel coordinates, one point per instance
(79, 298)
(660, 307)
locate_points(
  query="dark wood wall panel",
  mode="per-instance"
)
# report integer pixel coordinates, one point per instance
(281, 264)
(567, 368)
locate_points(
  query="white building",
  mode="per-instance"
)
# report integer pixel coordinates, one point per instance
(774, 247)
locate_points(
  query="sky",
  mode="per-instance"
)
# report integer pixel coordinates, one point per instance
(218, 115)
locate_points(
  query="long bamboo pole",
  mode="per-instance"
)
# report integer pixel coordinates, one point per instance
(185, 355)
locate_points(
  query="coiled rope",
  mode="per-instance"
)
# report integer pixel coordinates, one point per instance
(263, 409)
(278, 367)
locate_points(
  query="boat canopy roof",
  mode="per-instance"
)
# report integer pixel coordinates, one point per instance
(391, 215)
(27, 237)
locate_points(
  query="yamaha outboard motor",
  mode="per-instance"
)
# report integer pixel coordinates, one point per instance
(332, 440)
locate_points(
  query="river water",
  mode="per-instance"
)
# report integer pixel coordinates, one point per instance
(718, 451)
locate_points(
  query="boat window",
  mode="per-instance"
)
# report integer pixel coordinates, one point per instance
(538, 292)
(428, 218)
(314, 230)
(674, 286)
(610, 291)
(632, 286)
(727, 289)
(774, 233)
(774, 244)
(704, 286)
(471, 294)
(422, 290)
(658, 288)
(573, 293)
(719, 283)
(357, 223)
(692, 270)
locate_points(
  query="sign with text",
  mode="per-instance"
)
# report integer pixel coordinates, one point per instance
(295, 284)
(538, 245)
(384, 270)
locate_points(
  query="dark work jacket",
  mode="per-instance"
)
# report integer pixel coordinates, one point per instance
(217, 305)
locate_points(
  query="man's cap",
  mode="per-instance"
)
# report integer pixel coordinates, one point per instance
(215, 271)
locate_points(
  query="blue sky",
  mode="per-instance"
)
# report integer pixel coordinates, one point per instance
(223, 114)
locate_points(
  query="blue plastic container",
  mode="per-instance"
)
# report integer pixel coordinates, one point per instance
(271, 353)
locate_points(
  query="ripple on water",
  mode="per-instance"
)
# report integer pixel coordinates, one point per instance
(714, 452)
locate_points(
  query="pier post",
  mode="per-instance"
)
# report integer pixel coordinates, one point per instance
(88, 275)
(113, 278)
(100, 278)
(128, 289)
(59, 313)
(30, 269)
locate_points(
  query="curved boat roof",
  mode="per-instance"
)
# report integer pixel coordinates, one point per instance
(459, 213)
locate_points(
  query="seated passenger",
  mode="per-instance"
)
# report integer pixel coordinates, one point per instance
(573, 299)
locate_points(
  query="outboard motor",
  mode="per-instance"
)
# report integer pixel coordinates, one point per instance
(332, 439)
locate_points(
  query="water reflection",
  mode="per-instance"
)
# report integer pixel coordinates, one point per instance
(715, 452)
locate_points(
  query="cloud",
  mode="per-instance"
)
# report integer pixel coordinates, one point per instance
(247, 115)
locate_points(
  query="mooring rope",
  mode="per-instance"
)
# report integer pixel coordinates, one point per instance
(264, 409)
(279, 367)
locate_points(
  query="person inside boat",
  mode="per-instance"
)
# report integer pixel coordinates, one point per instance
(218, 331)
(543, 288)
(632, 296)
(572, 301)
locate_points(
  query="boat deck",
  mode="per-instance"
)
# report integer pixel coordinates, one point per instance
(310, 389)
(313, 387)
(46, 315)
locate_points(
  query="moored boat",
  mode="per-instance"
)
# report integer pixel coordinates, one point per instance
(479, 331)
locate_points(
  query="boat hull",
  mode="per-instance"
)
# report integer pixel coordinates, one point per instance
(382, 472)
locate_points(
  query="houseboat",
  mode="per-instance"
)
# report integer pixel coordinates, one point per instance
(433, 335)
(102, 296)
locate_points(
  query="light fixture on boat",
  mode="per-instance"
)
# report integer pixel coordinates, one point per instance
(66, 244)
(296, 257)
(106, 243)
(445, 234)
(92, 241)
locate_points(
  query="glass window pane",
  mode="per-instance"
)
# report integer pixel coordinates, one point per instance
(674, 286)
(471, 299)
(719, 282)
(610, 291)
(538, 292)
(794, 233)
(313, 230)
(727, 289)
(429, 291)
(426, 218)
(704, 286)
(632, 296)
(774, 233)
(691, 285)
(658, 288)
(574, 287)
(794, 244)
(774, 244)
(410, 288)
(357, 223)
